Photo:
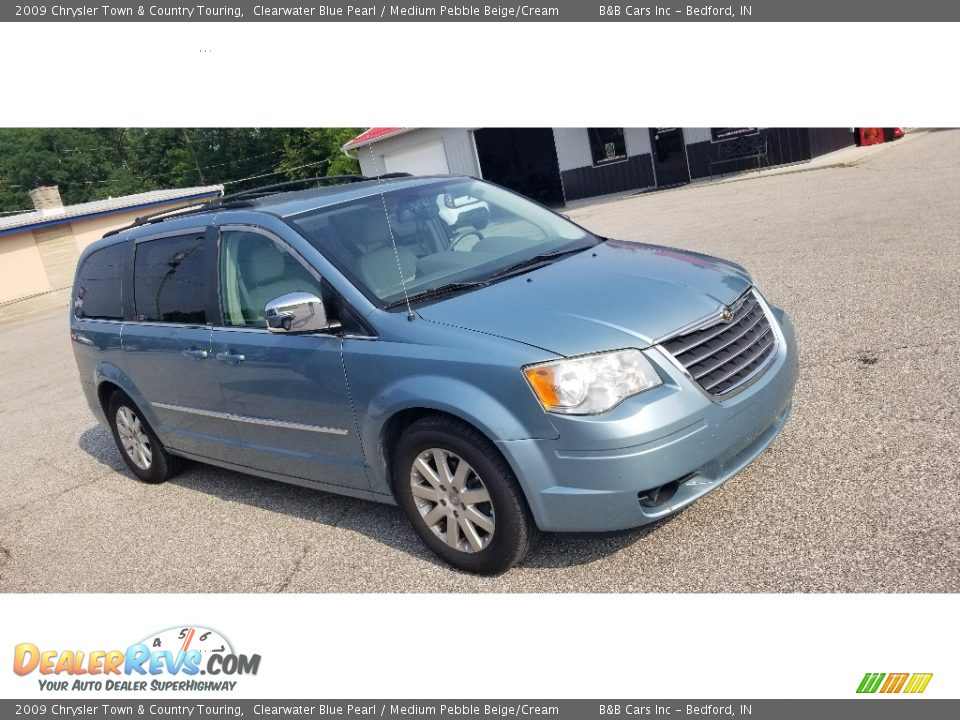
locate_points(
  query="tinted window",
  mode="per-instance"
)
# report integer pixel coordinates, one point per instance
(607, 145)
(253, 271)
(170, 282)
(97, 294)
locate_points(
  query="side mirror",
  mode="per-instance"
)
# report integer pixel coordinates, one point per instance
(297, 312)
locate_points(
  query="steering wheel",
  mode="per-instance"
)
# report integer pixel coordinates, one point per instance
(461, 238)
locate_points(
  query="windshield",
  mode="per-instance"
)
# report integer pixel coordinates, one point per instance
(448, 232)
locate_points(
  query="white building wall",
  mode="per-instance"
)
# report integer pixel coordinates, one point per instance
(695, 135)
(638, 141)
(573, 148)
(457, 143)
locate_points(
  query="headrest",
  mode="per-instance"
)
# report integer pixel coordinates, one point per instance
(265, 264)
(379, 268)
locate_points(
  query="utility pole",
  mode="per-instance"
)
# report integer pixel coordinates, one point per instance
(186, 138)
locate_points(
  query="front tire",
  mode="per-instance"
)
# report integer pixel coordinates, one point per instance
(461, 496)
(139, 445)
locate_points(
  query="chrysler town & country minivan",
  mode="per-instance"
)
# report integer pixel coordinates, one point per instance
(494, 380)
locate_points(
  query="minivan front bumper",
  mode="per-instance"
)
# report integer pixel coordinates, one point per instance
(655, 453)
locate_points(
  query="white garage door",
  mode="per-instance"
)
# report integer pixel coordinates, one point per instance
(429, 159)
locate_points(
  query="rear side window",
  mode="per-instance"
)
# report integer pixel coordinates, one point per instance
(170, 280)
(97, 294)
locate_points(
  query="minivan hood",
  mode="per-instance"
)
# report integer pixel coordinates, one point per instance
(615, 295)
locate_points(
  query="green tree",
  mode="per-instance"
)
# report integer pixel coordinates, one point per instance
(317, 151)
(93, 163)
(74, 159)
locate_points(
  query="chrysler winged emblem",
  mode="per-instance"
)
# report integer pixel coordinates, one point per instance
(726, 315)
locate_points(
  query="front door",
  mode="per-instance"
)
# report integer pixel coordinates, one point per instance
(285, 395)
(669, 156)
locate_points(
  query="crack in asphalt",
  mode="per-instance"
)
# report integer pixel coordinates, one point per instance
(4, 558)
(870, 356)
(53, 496)
(304, 551)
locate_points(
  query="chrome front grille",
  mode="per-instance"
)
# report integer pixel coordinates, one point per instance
(725, 356)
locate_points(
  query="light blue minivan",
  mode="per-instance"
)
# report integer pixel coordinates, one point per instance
(495, 372)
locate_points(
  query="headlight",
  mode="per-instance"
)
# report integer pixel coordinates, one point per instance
(593, 383)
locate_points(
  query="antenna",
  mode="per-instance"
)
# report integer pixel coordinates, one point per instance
(393, 240)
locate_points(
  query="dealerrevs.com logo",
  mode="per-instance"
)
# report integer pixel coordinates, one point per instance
(172, 659)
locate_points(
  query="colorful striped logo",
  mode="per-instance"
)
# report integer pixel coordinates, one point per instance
(894, 682)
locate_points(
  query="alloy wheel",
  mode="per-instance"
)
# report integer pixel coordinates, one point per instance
(133, 438)
(452, 500)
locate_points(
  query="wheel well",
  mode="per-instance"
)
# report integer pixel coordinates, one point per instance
(398, 423)
(105, 391)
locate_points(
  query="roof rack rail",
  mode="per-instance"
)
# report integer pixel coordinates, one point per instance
(293, 184)
(245, 198)
(175, 213)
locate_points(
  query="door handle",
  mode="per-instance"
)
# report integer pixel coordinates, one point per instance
(230, 357)
(196, 353)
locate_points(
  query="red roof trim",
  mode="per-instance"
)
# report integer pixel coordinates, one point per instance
(368, 136)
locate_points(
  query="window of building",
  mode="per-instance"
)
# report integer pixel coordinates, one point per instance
(97, 294)
(170, 280)
(607, 145)
(253, 271)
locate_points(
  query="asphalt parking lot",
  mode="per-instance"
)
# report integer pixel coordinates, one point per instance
(861, 492)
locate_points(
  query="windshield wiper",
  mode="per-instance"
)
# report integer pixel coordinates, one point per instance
(455, 287)
(530, 262)
(447, 289)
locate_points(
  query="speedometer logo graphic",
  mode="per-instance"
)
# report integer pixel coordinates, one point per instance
(183, 639)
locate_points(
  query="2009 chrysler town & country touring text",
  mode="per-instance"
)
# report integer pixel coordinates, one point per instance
(493, 381)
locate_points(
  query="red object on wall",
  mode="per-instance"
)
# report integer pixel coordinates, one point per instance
(869, 136)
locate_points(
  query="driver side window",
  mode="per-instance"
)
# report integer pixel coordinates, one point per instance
(253, 271)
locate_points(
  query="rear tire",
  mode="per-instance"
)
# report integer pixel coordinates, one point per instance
(461, 496)
(138, 444)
